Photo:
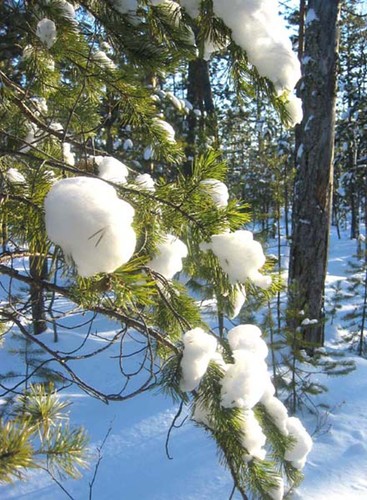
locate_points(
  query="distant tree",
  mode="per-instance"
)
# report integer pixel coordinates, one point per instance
(351, 147)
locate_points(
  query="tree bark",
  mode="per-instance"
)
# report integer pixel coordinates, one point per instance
(314, 177)
(199, 93)
(38, 269)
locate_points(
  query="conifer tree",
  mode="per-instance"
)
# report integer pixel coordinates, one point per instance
(79, 83)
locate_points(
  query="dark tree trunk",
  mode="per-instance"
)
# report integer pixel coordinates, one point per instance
(314, 177)
(199, 93)
(38, 270)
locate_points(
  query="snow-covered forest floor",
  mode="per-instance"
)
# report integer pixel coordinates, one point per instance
(129, 459)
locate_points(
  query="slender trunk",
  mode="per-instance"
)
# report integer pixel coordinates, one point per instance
(314, 177)
(364, 313)
(199, 93)
(38, 270)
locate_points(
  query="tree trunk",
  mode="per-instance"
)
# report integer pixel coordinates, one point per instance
(199, 93)
(314, 176)
(38, 270)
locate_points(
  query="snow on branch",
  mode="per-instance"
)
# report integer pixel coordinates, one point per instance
(85, 217)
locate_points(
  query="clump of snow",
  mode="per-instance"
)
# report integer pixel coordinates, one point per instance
(298, 451)
(239, 256)
(145, 181)
(85, 217)
(168, 259)
(188, 105)
(41, 105)
(258, 29)
(199, 348)
(308, 321)
(277, 493)
(268, 392)
(166, 128)
(28, 51)
(244, 382)
(248, 337)
(102, 58)
(34, 135)
(128, 144)
(14, 176)
(253, 438)
(201, 415)
(68, 155)
(111, 169)
(148, 153)
(294, 110)
(174, 100)
(67, 9)
(56, 126)
(217, 190)
(278, 412)
(239, 300)
(46, 32)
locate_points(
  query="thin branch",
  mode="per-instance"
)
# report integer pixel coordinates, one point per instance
(99, 460)
(65, 292)
(173, 426)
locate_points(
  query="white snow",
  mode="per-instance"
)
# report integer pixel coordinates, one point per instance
(14, 176)
(253, 437)
(102, 58)
(297, 453)
(278, 413)
(217, 190)
(239, 300)
(199, 348)
(168, 259)
(166, 128)
(67, 9)
(277, 493)
(91, 224)
(248, 337)
(244, 382)
(335, 467)
(239, 255)
(148, 153)
(46, 32)
(308, 321)
(128, 144)
(68, 155)
(111, 169)
(145, 181)
(258, 29)
(174, 100)
(34, 135)
(294, 109)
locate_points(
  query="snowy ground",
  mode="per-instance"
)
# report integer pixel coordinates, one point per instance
(134, 463)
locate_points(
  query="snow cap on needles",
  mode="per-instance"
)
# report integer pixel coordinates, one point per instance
(199, 347)
(168, 259)
(85, 217)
